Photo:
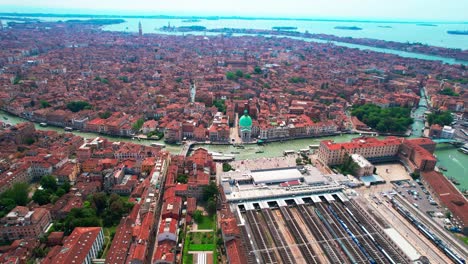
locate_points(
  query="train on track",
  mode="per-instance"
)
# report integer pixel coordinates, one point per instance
(427, 233)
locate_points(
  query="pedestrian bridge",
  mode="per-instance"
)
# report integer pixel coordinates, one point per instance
(447, 140)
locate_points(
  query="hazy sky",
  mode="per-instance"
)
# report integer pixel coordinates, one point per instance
(428, 10)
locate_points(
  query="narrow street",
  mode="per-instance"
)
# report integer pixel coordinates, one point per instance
(235, 131)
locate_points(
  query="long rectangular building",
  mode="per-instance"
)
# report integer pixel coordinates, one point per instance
(331, 153)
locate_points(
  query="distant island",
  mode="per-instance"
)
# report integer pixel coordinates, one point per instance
(191, 20)
(384, 26)
(284, 28)
(457, 32)
(426, 25)
(184, 28)
(348, 28)
(99, 22)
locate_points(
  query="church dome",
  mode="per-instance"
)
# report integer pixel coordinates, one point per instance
(245, 120)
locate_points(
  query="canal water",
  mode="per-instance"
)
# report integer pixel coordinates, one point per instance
(447, 155)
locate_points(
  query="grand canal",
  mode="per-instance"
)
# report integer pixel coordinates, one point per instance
(447, 155)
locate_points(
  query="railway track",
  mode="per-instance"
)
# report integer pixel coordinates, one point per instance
(324, 239)
(251, 257)
(374, 255)
(265, 251)
(434, 228)
(281, 245)
(351, 250)
(357, 213)
(301, 240)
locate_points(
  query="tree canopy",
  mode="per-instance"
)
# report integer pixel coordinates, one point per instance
(348, 166)
(138, 124)
(448, 91)
(76, 106)
(50, 191)
(220, 104)
(16, 195)
(297, 80)
(391, 119)
(210, 191)
(442, 118)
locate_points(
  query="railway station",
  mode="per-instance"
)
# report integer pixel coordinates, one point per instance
(299, 215)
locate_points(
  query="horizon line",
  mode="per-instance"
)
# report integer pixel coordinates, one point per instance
(221, 17)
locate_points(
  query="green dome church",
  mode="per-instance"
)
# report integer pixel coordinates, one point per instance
(245, 127)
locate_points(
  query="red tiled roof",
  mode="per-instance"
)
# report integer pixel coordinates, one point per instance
(448, 195)
(362, 143)
(77, 246)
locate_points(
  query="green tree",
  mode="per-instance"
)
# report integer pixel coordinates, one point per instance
(18, 193)
(297, 79)
(124, 79)
(138, 124)
(220, 104)
(391, 119)
(227, 167)
(60, 192)
(76, 106)
(239, 74)
(53, 198)
(182, 178)
(44, 104)
(448, 91)
(66, 186)
(49, 182)
(197, 216)
(99, 201)
(41, 197)
(231, 76)
(39, 252)
(442, 118)
(29, 140)
(6, 205)
(105, 115)
(211, 190)
(211, 206)
(298, 161)
(17, 79)
(348, 166)
(257, 70)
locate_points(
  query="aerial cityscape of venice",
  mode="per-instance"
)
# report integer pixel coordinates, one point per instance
(250, 132)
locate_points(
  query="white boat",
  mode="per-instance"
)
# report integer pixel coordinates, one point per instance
(68, 129)
(43, 124)
(464, 149)
(158, 145)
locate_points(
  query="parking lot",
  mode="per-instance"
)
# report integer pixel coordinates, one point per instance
(416, 194)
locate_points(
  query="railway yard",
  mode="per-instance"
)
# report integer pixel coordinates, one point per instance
(302, 215)
(332, 230)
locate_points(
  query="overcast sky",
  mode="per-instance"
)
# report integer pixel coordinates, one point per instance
(428, 10)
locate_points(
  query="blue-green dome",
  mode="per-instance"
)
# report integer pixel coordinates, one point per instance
(245, 120)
